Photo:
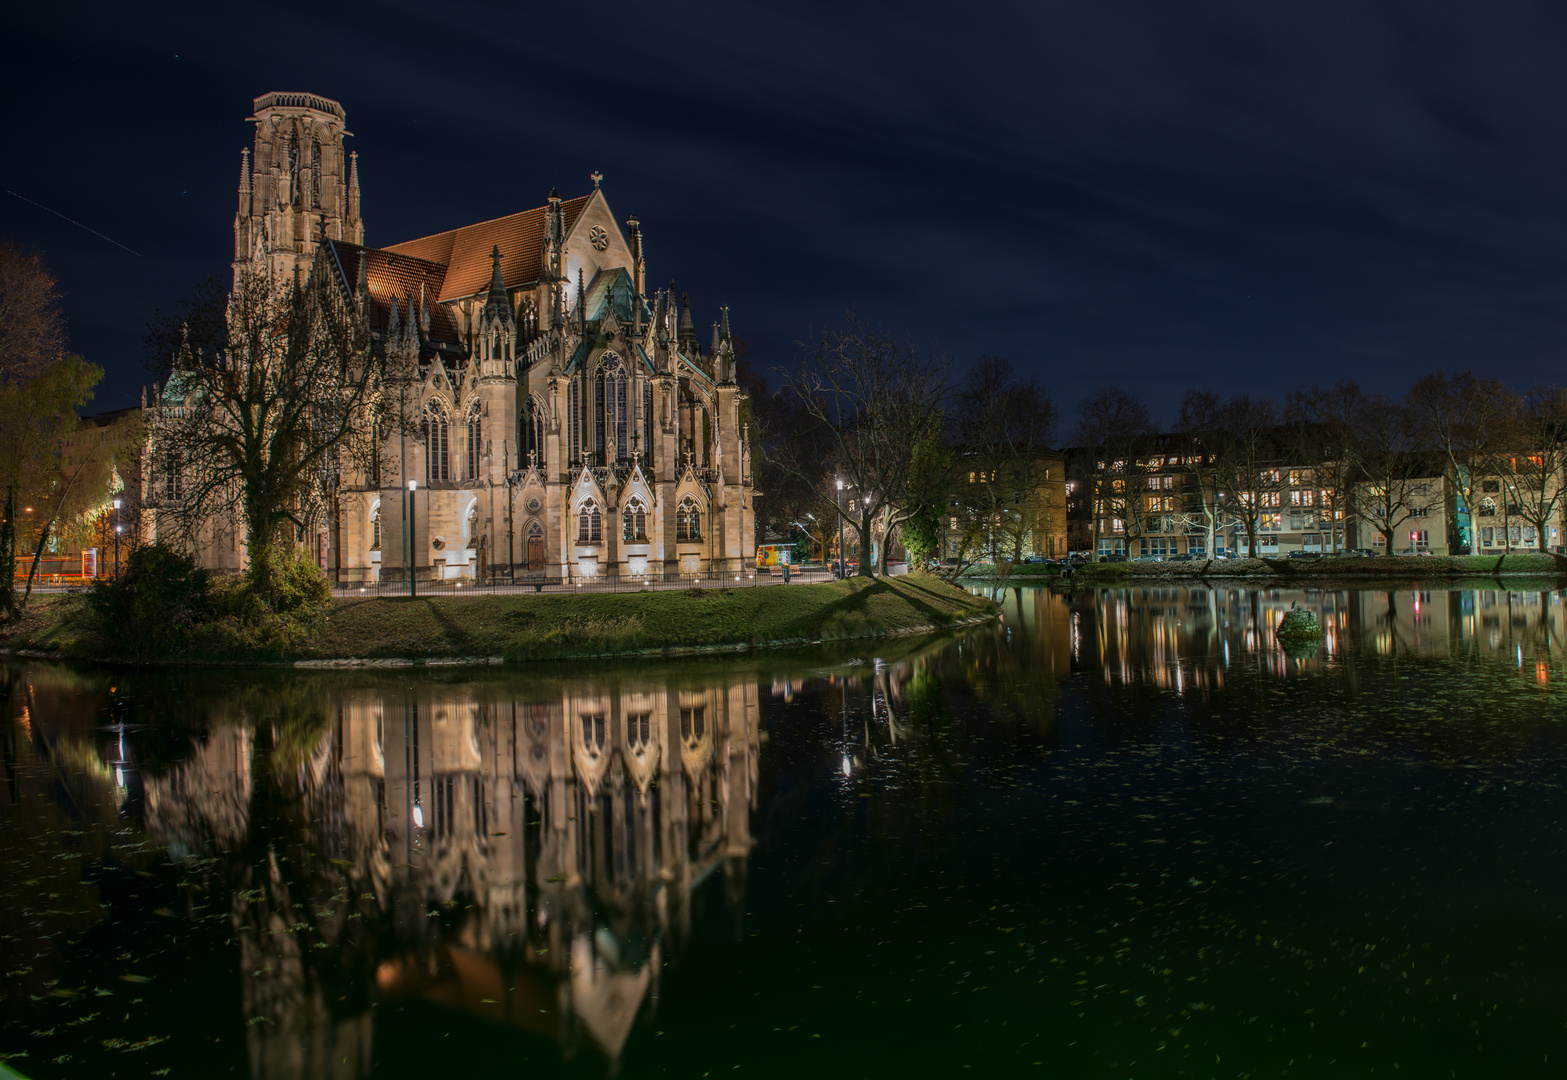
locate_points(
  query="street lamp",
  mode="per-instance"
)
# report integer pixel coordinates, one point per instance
(843, 569)
(413, 485)
(116, 538)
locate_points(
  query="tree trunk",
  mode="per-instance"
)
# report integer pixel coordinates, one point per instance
(32, 571)
(1093, 554)
(866, 569)
(8, 554)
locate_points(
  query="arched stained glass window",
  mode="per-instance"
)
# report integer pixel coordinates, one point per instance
(315, 175)
(437, 444)
(688, 520)
(530, 433)
(613, 403)
(474, 443)
(647, 417)
(634, 523)
(590, 523)
(574, 422)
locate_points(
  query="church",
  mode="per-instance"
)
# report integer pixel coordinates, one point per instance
(570, 425)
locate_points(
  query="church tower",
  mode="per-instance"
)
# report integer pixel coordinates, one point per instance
(296, 184)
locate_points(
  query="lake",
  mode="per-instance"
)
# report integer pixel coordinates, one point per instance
(1122, 833)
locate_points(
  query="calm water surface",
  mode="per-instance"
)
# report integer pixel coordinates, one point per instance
(1124, 834)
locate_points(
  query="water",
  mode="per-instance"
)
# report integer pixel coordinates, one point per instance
(1122, 835)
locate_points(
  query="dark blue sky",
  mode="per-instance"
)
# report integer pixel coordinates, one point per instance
(1238, 196)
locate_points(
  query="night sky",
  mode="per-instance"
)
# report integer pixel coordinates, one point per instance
(1236, 196)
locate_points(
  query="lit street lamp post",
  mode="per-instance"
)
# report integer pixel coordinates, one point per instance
(116, 539)
(843, 565)
(413, 485)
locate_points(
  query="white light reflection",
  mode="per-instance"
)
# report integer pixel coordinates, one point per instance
(418, 817)
(847, 768)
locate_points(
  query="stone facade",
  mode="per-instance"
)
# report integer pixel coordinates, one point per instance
(569, 425)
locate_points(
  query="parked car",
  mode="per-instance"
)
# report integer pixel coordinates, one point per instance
(1304, 555)
(1114, 556)
(1183, 557)
(1040, 560)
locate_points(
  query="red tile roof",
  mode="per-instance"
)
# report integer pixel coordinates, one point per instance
(395, 277)
(466, 251)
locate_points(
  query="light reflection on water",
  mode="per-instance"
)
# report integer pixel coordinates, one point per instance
(1123, 833)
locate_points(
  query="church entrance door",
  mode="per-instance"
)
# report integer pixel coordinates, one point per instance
(535, 553)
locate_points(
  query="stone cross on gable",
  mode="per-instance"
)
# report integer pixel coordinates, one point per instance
(595, 176)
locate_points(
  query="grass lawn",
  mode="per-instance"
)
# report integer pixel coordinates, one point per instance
(560, 626)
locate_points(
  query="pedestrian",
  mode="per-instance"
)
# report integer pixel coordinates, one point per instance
(786, 573)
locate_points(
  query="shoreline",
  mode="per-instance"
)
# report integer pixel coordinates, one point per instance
(1329, 570)
(519, 629)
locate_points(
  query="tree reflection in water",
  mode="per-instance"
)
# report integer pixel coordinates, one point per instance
(537, 852)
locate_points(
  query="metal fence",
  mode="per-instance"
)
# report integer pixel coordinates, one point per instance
(526, 584)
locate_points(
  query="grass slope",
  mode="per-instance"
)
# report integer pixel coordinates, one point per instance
(559, 626)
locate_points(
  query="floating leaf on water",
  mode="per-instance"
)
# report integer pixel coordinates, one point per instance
(136, 978)
(556, 877)
(165, 912)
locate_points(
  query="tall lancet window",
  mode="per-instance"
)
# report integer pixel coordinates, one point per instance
(613, 402)
(647, 418)
(473, 443)
(598, 411)
(574, 422)
(293, 167)
(530, 433)
(315, 175)
(437, 446)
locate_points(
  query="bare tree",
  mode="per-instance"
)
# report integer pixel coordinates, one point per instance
(1120, 432)
(1395, 481)
(1321, 422)
(1203, 502)
(1002, 424)
(263, 431)
(1247, 460)
(1533, 471)
(868, 400)
(1468, 420)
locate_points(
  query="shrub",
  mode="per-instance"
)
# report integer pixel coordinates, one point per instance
(155, 603)
(297, 584)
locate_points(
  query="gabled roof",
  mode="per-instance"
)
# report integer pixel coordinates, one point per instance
(466, 251)
(394, 277)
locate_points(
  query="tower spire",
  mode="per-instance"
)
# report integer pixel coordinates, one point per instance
(244, 182)
(496, 301)
(242, 222)
(356, 228)
(687, 336)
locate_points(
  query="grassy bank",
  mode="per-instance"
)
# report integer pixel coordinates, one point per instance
(559, 626)
(1381, 568)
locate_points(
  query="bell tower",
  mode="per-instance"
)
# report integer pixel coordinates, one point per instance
(296, 184)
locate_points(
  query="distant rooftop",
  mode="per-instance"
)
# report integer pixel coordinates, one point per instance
(279, 99)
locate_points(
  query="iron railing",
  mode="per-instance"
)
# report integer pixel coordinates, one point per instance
(529, 584)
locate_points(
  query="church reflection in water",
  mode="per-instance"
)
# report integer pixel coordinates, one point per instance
(527, 853)
(537, 850)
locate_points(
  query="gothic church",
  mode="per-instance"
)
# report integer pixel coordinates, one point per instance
(571, 427)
